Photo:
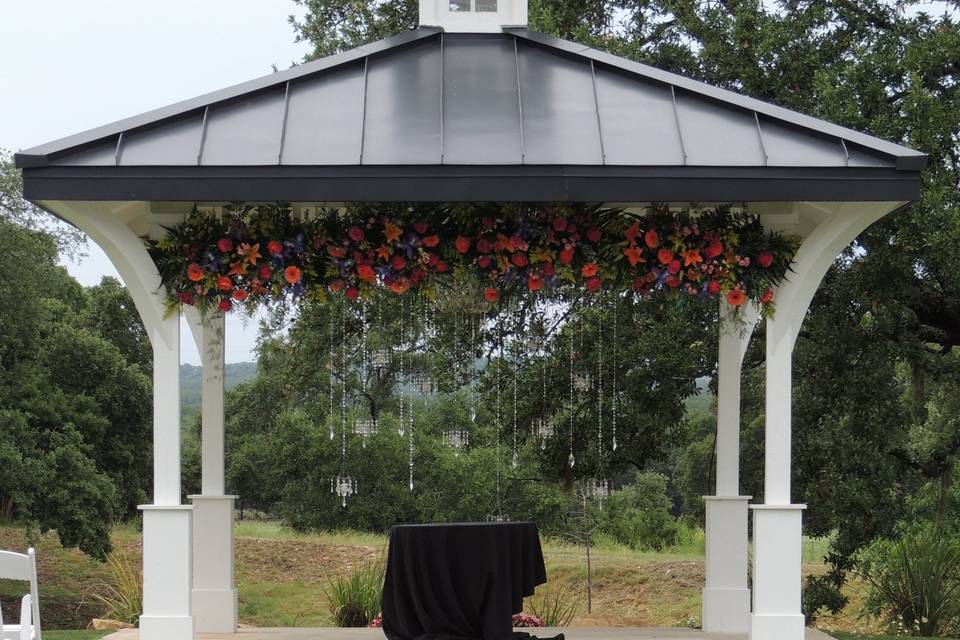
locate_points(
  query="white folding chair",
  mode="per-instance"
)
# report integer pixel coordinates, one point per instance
(22, 566)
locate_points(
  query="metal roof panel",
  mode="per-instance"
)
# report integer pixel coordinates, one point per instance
(244, 131)
(175, 142)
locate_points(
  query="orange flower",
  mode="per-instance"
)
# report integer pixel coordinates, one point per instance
(736, 297)
(767, 296)
(691, 257)
(431, 241)
(391, 231)
(634, 255)
(336, 285)
(665, 256)
(463, 244)
(566, 255)
(250, 253)
(195, 272)
(224, 283)
(400, 285)
(292, 274)
(491, 294)
(651, 238)
(275, 248)
(632, 232)
(336, 252)
(383, 252)
(239, 295)
(366, 273)
(238, 269)
(589, 270)
(534, 282)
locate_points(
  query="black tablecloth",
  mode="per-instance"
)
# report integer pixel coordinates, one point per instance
(459, 581)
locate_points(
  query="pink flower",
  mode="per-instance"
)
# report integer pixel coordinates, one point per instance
(355, 233)
(225, 245)
(765, 259)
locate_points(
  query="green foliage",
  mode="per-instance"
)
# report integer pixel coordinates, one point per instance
(638, 515)
(354, 599)
(914, 580)
(555, 606)
(122, 597)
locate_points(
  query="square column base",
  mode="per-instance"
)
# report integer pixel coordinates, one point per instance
(166, 628)
(776, 627)
(214, 593)
(167, 573)
(726, 610)
(726, 598)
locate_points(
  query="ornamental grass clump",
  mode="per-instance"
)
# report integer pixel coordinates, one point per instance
(122, 596)
(554, 607)
(354, 598)
(914, 581)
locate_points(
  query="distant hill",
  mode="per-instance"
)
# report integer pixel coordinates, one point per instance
(191, 378)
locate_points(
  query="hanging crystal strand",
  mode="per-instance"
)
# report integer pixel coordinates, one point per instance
(599, 393)
(516, 369)
(500, 342)
(400, 429)
(410, 462)
(571, 460)
(543, 401)
(343, 367)
(614, 398)
(364, 364)
(330, 414)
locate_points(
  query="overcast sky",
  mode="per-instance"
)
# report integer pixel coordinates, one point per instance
(71, 65)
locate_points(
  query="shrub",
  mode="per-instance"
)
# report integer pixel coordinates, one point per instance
(122, 597)
(554, 608)
(914, 580)
(354, 599)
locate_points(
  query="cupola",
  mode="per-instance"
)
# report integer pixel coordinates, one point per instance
(473, 16)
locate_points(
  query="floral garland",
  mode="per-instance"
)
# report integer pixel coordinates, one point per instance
(250, 255)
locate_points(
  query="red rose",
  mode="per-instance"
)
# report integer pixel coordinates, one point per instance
(651, 238)
(534, 282)
(398, 263)
(224, 283)
(665, 256)
(225, 305)
(484, 262)
(593, 285)
(292, 274)
(673, 282)
(736, 298)
(336, 285)
(491, 294)
(275, 248)
(353, 293)
(519, 260)
(431, 241)
(462, 243)
(566, 256)
(440, 267)
(225, 245)
(195, 272)
(432, 259)
(589, 270)
(765, 259)
(417, 275)
(487, 222)
(420, 227)
(767, 296)
(713, 288)
(355, 233)
(265, 272)
(714, 249)
(240, 295)
(483, 245)
(185, 297)
(674, 266)
(548, 269)
(559, 224)
(594, 235)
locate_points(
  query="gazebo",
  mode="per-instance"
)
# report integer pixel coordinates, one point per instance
(472, 106)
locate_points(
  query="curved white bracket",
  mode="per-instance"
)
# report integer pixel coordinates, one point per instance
(815, 256)
(129, 255)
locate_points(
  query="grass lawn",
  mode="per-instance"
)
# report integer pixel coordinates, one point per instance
(842, 635)
(281, 576)
(84, 634)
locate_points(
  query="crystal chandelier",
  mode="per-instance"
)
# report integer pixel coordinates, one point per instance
(544, 429)
(343, 486)
(596, 488)
(582, 382)
(458, 439)
(380, 359)
(424, 383)
(365, 427)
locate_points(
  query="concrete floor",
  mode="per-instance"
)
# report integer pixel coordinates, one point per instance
(572, 633)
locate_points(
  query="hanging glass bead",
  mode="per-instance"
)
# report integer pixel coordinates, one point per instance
(473, 414)
(380, 359)
(582, 382)
(365, 428)
(544, 429)
(343, 486)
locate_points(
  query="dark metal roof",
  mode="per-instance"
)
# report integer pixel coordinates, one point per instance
(432, 116)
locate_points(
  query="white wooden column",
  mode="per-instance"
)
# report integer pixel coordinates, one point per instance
(167, 541)
(777, 524)
(726, 596)
(214, 592)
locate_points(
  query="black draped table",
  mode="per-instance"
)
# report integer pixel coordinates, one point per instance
(459, 581)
